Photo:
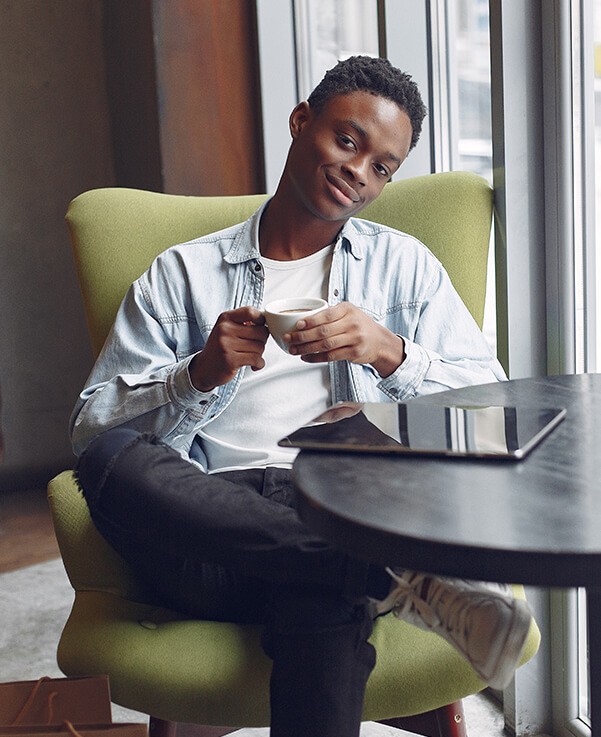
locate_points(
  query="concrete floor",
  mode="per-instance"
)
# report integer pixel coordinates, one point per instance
(483, 716)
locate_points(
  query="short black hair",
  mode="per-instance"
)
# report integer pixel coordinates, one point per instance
(375, 75)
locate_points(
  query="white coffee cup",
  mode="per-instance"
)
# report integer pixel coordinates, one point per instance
(282, 315)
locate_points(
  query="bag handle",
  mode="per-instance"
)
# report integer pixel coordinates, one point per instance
(31, 698)
(70, 728)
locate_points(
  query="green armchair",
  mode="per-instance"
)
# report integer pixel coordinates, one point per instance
(180, 670)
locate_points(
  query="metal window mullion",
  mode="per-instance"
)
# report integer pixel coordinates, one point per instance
(518, 179)
(442, 134)
(517, 103)
(575, 43)
(559, 192)
(564, 660)
(452, 83)
(303, 44)
(588, 170)
(569, 174)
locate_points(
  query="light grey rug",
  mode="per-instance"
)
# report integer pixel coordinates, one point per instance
(34, 605)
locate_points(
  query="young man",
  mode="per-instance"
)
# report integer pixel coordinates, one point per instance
(201, 503)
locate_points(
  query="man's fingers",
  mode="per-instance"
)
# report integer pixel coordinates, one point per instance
(320, 338)
(244, 315)
(330, 314)
(240, 329)
(258, 364)
(322, 344)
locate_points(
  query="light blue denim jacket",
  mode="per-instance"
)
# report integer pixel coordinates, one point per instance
(141, 377)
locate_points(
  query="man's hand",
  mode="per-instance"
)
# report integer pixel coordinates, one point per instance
(344, 332)
(237, 339)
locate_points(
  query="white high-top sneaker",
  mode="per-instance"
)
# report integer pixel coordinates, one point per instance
(482, 621)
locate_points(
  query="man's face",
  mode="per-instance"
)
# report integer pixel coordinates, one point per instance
(342, 157)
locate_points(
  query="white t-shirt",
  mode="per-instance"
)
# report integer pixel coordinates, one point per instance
(285, 394)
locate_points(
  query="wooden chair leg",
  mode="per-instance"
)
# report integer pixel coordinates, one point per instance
(161, 728)
(447, 721)
(451, 720)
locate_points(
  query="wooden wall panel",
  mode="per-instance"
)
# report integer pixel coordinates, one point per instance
(208, 96)
(182, 78)
(132, 93)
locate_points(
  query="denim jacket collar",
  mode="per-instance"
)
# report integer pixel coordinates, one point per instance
(246, 243)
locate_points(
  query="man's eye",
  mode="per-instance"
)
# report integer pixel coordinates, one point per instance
(382, 170)
(346, 140)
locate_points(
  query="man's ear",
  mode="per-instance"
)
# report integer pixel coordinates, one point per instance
(298, 117)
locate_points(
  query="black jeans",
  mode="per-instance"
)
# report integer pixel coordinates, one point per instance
(230, 547)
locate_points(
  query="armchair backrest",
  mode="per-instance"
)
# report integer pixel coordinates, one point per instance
(116, 233)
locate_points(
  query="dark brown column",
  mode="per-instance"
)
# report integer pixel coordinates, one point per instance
(132, 93)
(183, 80)
(1, 437)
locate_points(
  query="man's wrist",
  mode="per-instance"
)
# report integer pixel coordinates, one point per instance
(196, 378)
(391, 358)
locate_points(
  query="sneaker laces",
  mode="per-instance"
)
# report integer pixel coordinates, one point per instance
(440, 605)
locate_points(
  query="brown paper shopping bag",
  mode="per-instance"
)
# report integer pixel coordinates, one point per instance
(46, 701)
(122, 729)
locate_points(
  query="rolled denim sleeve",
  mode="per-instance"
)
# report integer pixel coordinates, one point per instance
(138, 381)
(447, 349)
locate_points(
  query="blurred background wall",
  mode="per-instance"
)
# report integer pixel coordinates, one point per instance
(160, 95)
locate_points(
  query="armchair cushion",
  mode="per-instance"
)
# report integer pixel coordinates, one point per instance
(180, 669)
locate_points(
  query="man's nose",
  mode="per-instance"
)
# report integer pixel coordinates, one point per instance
(357, 169)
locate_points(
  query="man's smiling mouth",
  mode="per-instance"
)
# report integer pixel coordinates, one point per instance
(342, 187)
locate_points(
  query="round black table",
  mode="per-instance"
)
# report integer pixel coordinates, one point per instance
(535, 521)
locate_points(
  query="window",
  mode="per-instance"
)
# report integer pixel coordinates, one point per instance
(582, 710)
(472, 55)
(585, 38)
(513, 89)
(586, 126)
(471, 136)
(298, 41)
(592, 61)
(330, 30)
